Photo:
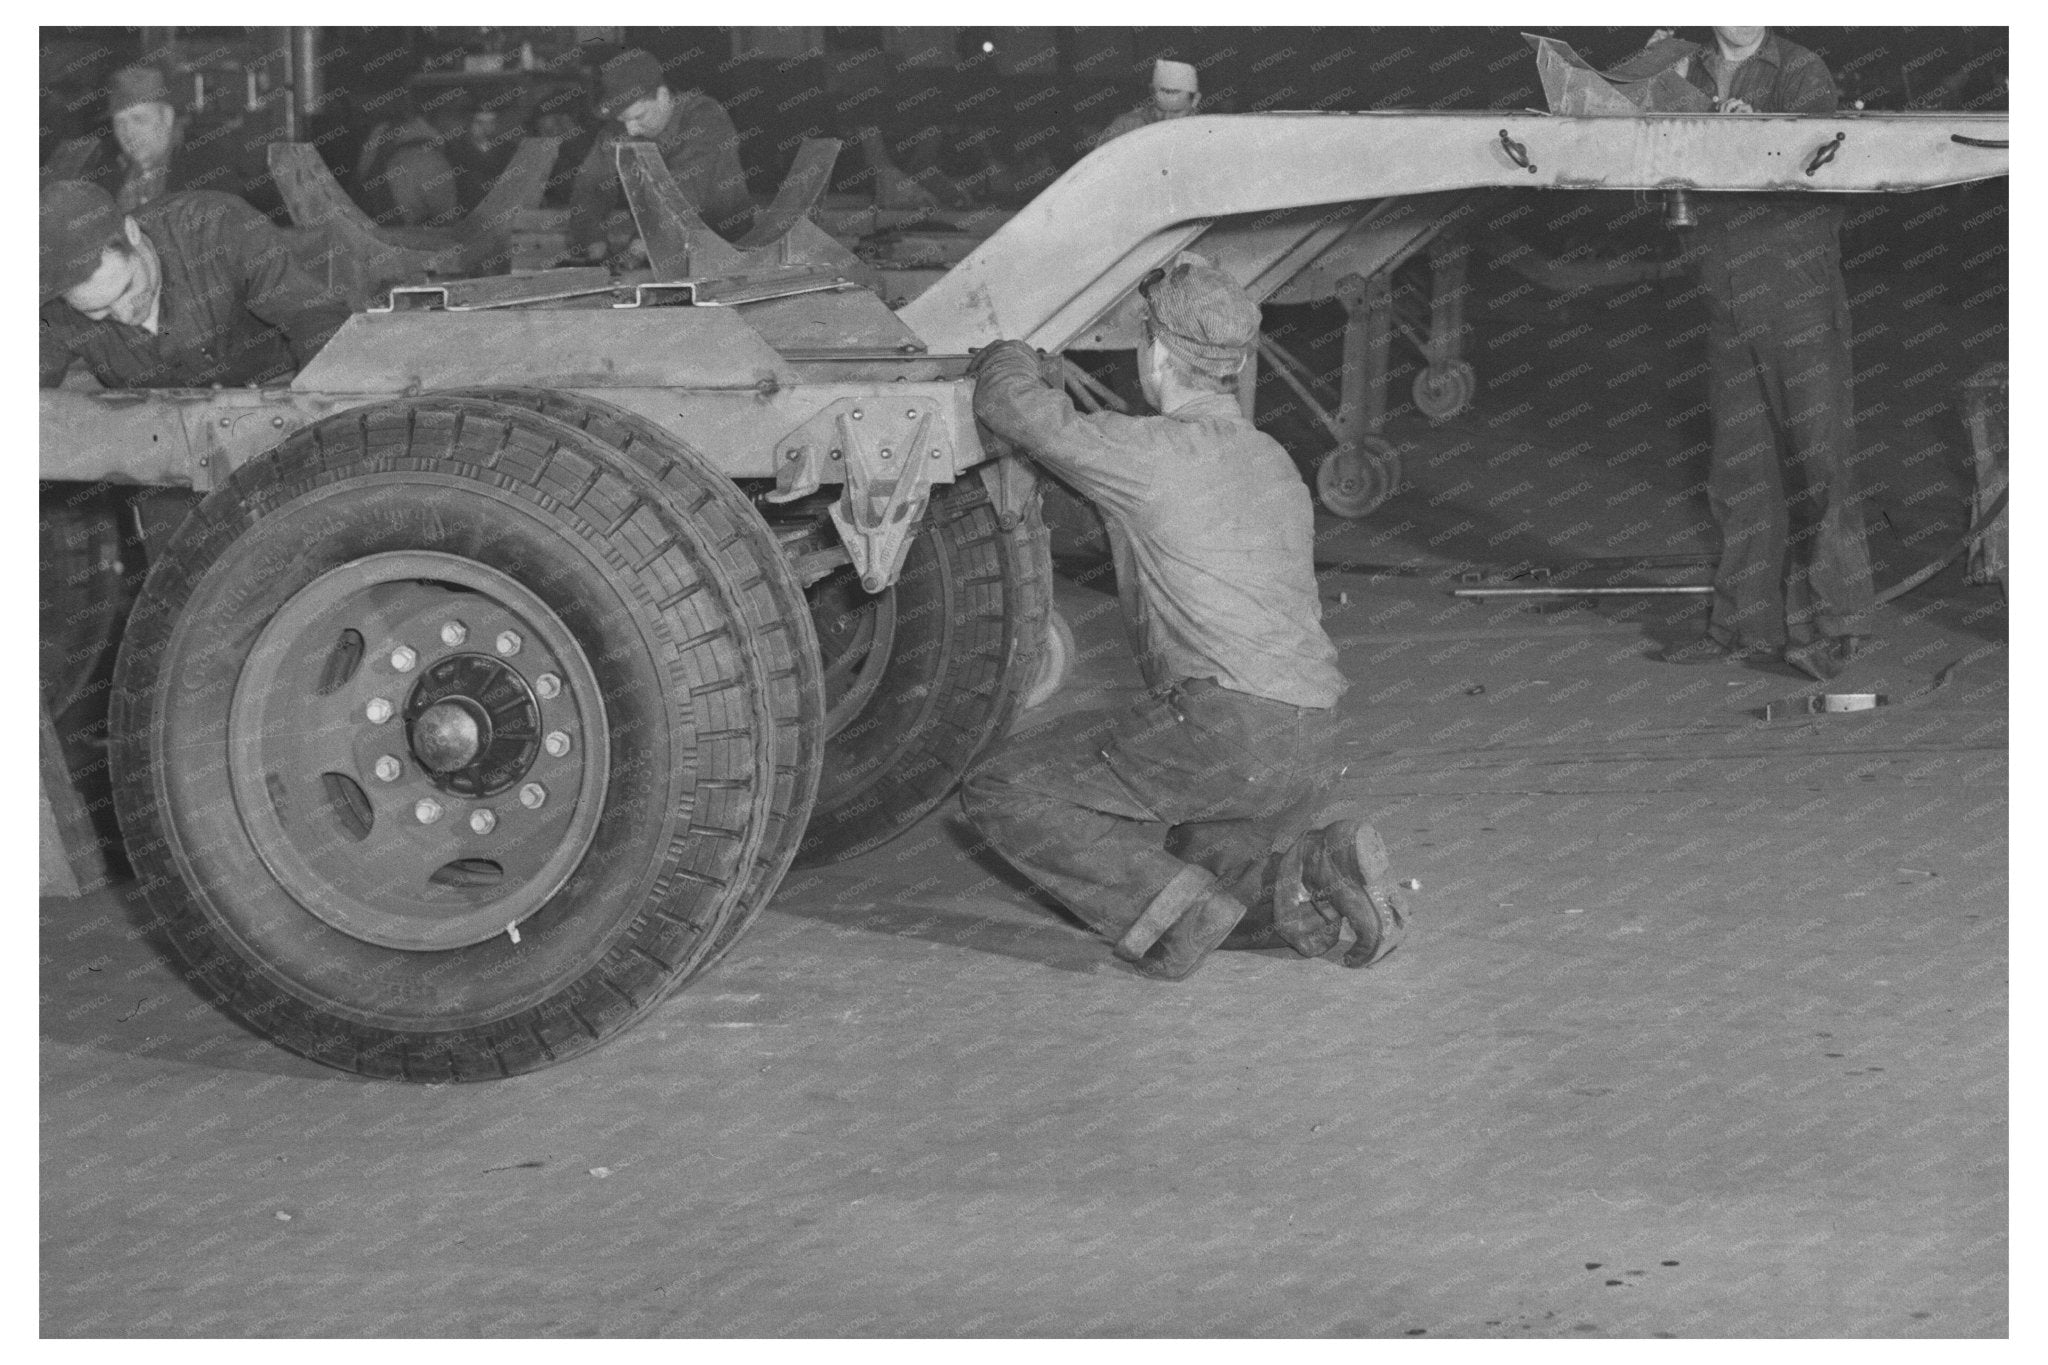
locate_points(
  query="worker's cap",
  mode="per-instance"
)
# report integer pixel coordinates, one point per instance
(79, 219)
(1168, 75)
(623, 81)
(1201, 314)
(133, 85)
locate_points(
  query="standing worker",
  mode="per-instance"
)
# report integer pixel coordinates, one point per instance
(1794, 575)
(696, 138)
(1176, 93)
(1234, 743)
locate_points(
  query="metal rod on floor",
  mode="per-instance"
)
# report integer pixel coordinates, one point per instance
(1660, 590)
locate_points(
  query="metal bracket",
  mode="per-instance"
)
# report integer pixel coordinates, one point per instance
(887, 457)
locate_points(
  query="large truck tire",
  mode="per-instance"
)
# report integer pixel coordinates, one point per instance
(923, 676)
(441, 747)
(777, 616)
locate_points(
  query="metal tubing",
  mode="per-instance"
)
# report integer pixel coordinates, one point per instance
(1659, 590)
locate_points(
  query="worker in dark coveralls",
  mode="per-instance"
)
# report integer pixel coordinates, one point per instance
(1794, 575)
(696, 138)
(191, 289)
(1234, 745)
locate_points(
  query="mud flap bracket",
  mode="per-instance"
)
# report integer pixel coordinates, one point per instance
(887, 458)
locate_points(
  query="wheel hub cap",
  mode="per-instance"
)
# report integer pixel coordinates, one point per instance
(446, 737)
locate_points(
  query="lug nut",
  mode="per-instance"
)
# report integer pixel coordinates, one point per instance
(379, 710)
(547, 686)
(509, 642)
(454, 633)
(426, 810)
(403, 658)
(533, 795)
(483, 821)
(557, 743)
(388, 769)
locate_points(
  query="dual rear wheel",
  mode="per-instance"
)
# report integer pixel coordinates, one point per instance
(457, 732)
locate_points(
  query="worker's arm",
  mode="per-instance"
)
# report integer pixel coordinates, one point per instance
(277, 288)
(1103, 454)
(53, 358)
(593, 193)
(1805, 87)
(706, 165)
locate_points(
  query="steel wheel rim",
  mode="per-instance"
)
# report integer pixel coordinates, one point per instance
(856, 658)
(534, 753)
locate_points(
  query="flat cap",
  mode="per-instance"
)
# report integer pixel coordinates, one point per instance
(625, 80)
(79, 219)
(133, 85)
(1201, 314)
(1171, 75)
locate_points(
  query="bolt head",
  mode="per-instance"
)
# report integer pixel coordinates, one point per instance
(378, 711)
(533, 795)
(426, 810)
(483, 821)
(509, 642)
(856, 414)
(886, 452)
(547, 686)
(454, 633)
(557, 743)
(910, 412)
(388, 769)
(403, 658)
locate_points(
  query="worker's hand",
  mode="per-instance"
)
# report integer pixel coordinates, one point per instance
(1732, 105)
(1659, 35)
(987, 355)
(1052, 369)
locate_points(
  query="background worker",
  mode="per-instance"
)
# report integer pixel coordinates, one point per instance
(1794, 574)
(191, 289)
(1176, 93)
(152, 160)
(697, 141)
(1234, 743)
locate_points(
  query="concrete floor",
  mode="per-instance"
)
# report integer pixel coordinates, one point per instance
(1700, 1030)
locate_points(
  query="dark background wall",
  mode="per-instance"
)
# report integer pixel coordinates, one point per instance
(942, 92)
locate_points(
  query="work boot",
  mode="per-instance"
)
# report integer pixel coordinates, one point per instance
(1336, 875)
(1193, 936)
(1180, 926)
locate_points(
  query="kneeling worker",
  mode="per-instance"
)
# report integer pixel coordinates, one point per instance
(191, 289)
(1234, 743)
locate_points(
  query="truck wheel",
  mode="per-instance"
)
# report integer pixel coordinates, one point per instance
(922, 676)
(439, 747)
(778, 619)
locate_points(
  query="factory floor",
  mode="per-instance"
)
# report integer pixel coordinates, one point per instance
(1700, 1029)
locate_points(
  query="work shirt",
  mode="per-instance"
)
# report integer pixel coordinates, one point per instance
(1130, 121)
(1780, 77)
(701, 149)
(1768, 253)
(1211, 526)
(234, 307)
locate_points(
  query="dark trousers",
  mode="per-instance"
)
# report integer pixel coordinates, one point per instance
(1794, 566)
(1077, 804)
